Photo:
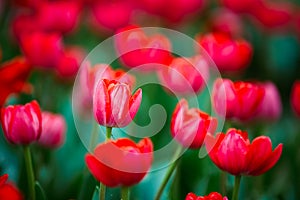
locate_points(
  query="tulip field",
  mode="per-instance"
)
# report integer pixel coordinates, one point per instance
(149, 99)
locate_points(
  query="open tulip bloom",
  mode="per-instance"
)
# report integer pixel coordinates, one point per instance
(232, 152)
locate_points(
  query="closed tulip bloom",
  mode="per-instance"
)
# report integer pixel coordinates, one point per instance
(232, 152)
(237, 100)
(42, 49)
(121, 162)
(9, 191)
(295, 97)
(22, 124)
(270, 109)
(229, 55)
(211, 196)
(136, 49)
(88, 76)
(185, 75)
(69, 63)
(53, 130)
(113, 103)
(190, 126)
(60, 16)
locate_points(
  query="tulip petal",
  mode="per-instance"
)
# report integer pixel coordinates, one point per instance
(270, 162)
(101, 103)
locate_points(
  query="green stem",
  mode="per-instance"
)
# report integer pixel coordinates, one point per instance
(168, 175)
(30, 174)
(108, 132)
(223, 181)
(94, 137)
(235, 194)
(102, 191)
(125, 193)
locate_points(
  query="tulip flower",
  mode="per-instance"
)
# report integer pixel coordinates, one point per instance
(53, 130)
(88, 76)
(60, 16)
(172, 10)
(228, 54)
(69, 63)
(241, 6)
(237, 100)
(112, 15)
(295, 97)
(232, 152)
(185, 75)
(137, 49)
(24, 24)
(270, 109)
(9, 191)
(42, 49)
(273, 15)
(121, 162)
(13, 75)
(211, 196)
(113, 104)
(22, 124)
(190, 126)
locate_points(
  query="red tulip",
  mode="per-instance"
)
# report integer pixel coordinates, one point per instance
(172, 10)
(190, 126)
(271, 107)
(273, 15)
(42, 49)
(121, 162)
(185, 75)
(113, 104)
(112, 15)
(60, 16)
(53, 130)
(69, 63)
(295, 97)
(232, 152)
(13, 76)
(239, 100)
(241, 6)
(9, 191)
(88, 76)
(24, 24)
(228, 54)
(22, 124)
(137, 49)
(211, 196)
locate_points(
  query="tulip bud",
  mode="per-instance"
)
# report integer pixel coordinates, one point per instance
(113, 104)
(295, 97)
(22, 124)
(53, 130)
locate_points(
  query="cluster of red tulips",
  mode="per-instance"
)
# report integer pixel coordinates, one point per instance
(39, 28)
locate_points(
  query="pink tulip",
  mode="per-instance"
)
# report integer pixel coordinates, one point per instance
(239, 100)
(53, 130)
(113, 104)
(185, 75)
(22, 124)
(232, 152)
(88, 76)
(271, 107)
(190, 126)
